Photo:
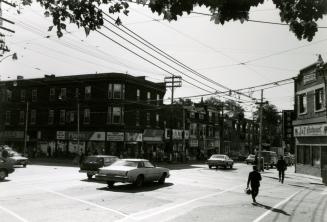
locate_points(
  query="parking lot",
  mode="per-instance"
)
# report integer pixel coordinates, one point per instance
(192, 193)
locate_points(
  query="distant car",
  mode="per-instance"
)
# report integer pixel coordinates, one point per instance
(136, 171)
(219, 160)
(17, 158)
(250, 159)
(6, 167)
(269, 158)
(289, 159)
(91, 164)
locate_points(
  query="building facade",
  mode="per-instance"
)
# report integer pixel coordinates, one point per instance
(310, 128)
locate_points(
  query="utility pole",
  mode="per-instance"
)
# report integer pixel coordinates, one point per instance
(172, 82)
(184, 148)
(221, 147)
(261, 103)
(26, 123)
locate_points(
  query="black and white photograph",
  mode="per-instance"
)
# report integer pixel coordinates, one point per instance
(163, 110)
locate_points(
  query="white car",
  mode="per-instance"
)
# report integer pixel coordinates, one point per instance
(17, 158)
(136, 171)
(219, 160)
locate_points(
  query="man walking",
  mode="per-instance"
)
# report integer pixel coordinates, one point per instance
(281, 167)
(254, 180)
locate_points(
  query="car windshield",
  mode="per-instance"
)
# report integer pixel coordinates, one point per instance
(125, 163)
(93, 159)
(218, 156)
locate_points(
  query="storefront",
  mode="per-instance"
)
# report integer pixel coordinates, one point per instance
(14, 139)
(153, 145)
(133, 144)
(311, 149)
(115, 144)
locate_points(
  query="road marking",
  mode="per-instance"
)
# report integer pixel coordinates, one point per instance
(178, 205)
(274, 207)
(13, 214)
(86, 202)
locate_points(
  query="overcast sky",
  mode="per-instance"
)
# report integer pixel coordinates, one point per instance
(212, 50)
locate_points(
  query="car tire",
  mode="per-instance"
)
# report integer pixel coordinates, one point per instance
(139, 181)
(247, 163)
(110, 184)
(24, 165)
(3, 174)
(162, 178)
(210, 166)
(231, 166)
(89, 176)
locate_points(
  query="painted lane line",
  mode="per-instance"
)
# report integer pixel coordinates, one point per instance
(181, 204)
(274, 207)
(13, 214)
(86, 202)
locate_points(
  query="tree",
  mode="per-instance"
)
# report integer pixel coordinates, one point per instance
(184, 102)
(301, 15)
(271, 120)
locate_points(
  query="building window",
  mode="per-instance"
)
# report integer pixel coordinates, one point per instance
(21, 117)
(109, 114)
(87, 116)
(34, 95)
(201, 116)
(157, 119)
(148, 118)
(319, 99)
(22, 95)
(116, 115)
(117, 91)
(210, 131)
(51, 117)
(148, 97)
(62, 117)
(33, 116)
(158, 99)
(302, 103)
(193, 129)
(52, 94)
(110, 91)
(77, 93)
(316, 156)
(71, 116)
(9, 95)
(63, 94)
(210, 116)
(192, 115)
(137, 118)
(87, 92)
(138, 95)
(8, 118)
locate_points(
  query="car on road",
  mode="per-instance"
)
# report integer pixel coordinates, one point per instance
(250, 159)
(17, 158)
(136, 171)
(269, 158)
(6, 167)
(91, 164)
(220, 160)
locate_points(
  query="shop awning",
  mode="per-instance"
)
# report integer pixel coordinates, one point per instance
(152, 135)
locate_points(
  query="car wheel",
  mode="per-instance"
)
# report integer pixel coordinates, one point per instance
(110, 184)
(24, 165)
(89, 176)
(139, 181)
(247, 163)
(3, 174)
(225, 166)
(162, 178)
(210, 166)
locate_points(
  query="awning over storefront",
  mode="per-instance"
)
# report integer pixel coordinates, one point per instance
(152, 135)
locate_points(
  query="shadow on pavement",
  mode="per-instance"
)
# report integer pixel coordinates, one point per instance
(271, 208)
(5, 180)
(130, 188)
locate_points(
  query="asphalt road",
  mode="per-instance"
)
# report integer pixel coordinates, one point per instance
(41, 193)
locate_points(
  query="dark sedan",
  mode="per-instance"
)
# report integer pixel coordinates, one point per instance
(91, 164)
(6, 167)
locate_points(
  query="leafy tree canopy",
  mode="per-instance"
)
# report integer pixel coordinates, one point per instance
(301, 15)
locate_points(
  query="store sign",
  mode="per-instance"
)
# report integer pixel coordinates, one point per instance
(98, 136)
(310, 130)
(309, 77)
(115, 136)
(177, 134)
(133, 137)
(61, 135)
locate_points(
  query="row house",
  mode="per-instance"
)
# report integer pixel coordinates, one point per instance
(110, 113)
(310, 124)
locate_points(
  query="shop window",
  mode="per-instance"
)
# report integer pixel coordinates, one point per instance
(138, 95)
(50, 117)
(22, 95)
(62, 116)
(302, 103)
(9, 95)
(8, 118)
(316, 156)
(52, 94)
(300, 154)
(34, 95)
(87, 116)
(137, 118)
(319, 99)
(21, 117)
(307, 156)
(116, 115)
(87, 92)
(33, 116)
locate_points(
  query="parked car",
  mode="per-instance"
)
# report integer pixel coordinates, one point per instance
(269, 158)
(250, 159)
(6, 167)
(136, 171)
(91, 164)
(219, 160)
(17, 158)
